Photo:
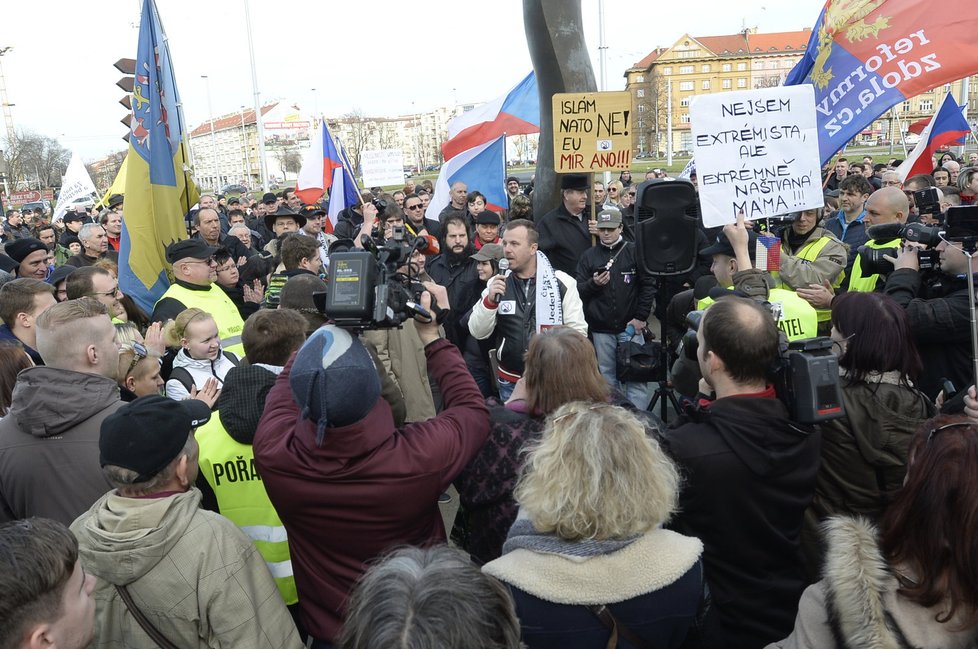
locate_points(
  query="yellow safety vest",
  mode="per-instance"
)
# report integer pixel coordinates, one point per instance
(810, 252)
(798, 318)
(867, 284)
(219, 305)
(229, 468)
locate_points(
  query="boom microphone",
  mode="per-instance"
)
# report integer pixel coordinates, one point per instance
(504, 271)
(427, 245)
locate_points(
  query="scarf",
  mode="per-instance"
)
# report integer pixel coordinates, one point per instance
(549, 310)
(522, 535)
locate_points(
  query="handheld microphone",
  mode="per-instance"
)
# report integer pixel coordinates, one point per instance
(430, 245)
(504, 271)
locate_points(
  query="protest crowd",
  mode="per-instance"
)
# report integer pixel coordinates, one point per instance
(233, 469)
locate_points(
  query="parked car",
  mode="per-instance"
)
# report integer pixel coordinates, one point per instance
(43, 204)
(234, 189)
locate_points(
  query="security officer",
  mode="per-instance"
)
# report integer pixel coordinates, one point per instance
(886, 205)
(733, 265)
(195, 272)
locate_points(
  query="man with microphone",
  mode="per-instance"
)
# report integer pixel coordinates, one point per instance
(516, 305)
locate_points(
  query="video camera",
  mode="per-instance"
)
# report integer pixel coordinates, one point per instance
(365, 290)
(805, 375)
(871, 259)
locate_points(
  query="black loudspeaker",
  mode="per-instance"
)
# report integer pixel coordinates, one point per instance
(666, 226)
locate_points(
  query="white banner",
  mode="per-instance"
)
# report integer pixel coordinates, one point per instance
(382, 168)
(756, 152)
(76, 183)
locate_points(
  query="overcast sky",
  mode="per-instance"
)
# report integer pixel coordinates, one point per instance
(380, 56)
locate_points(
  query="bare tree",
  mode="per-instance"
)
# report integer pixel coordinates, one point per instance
(386, 135)
(35, 160)
(103, 172)
(650, 120)
(359, 135)
(289, 158)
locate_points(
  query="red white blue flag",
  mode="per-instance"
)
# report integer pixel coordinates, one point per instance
(767, 254)
(866, 56)
(475, 152)
(947, 127)
(324, 168)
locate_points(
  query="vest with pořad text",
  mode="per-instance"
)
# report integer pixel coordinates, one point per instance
(867, 284)
(810, 252)
(229, 468)
(215, 302)
(798, 318)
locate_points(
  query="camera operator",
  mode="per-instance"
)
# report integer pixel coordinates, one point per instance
(750, 473)
(939, 313)
(533, 296)
(349, 485)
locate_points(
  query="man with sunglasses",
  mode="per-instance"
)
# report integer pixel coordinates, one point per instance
(195, 274)
(416, 220)
(99, 284)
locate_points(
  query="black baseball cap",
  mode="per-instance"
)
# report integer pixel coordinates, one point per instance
(312, 210)
(193, 248)
(147, 434)
(722, 246)
(269, 198)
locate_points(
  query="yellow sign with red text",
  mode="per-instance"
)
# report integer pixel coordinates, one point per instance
(592, 131)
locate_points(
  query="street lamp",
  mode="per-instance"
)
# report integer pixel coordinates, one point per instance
(8, 117)
(210, 111)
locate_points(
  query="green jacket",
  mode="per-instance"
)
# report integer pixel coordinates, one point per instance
(193, 573)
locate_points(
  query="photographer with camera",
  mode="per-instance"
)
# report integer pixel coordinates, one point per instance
(750, 474)
(516, 305)
(350, 221)
(940, 313)
(347, 484)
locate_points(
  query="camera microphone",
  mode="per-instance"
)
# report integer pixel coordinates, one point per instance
(504, 271)
(427, 244)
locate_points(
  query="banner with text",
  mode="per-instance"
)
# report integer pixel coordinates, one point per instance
(756, 152)
(383, 167)
(592, 131)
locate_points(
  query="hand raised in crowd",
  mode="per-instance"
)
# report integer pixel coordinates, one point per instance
(818, 295)
(737, 232)
(439, 292)
(427, 331)
(208, 394)
(592, 227)
(153, 340)
(242, 260)
(602, 278)
(971, 405)
(253, 292)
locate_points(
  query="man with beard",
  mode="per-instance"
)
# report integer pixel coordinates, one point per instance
(455, 269)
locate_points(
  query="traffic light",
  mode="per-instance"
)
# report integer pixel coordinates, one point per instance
(128, 68)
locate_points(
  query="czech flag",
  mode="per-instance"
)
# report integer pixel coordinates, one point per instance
(157, 188)
(475, 152)
(948, 126)
(323, 170)
(767, 253)
(866, 56)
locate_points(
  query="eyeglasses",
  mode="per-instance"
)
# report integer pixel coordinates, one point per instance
(613, 189)
(139, 353)
(939, 429)
(208, 261)
(110, 293)
(413, 207)
(631, 193)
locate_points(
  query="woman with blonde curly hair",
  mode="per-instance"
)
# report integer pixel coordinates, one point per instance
(587, 557)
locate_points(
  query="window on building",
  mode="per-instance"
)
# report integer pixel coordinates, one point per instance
(639, 79)
(727, 84)
(684, 102)
(685, 140)
(906, 106)
(926, 105)
(640, 92)
(741, 67)
(684, 118)
(725, 67)
(641, 108)
(667, 70)
(705, 67)
(741, 82)
(686, 69)
(706, 84)
(686, 85)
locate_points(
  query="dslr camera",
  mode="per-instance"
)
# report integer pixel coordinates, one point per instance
(871, 259)
(365, 289)
(805, 375)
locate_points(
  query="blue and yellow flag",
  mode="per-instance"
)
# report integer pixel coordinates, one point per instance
(159, 190)
(865, 56)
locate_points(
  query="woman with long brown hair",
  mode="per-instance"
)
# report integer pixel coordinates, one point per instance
(912, 582)
(560, 368)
